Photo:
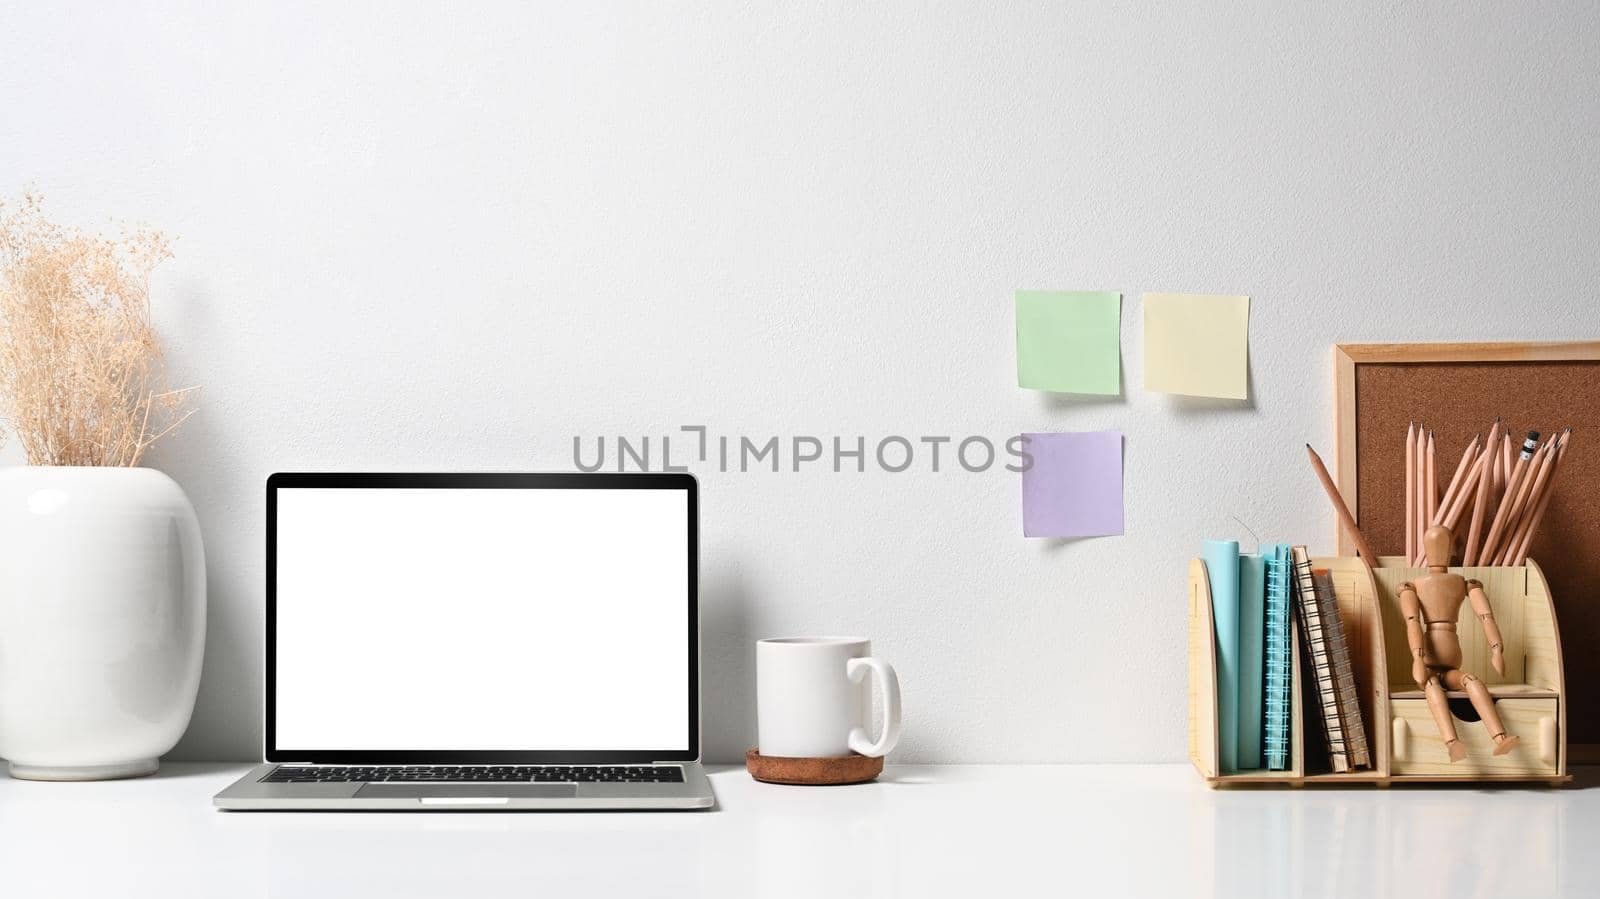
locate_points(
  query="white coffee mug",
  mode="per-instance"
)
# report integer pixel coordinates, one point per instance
(812, 698)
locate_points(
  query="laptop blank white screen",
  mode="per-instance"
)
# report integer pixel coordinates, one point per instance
(482, 619)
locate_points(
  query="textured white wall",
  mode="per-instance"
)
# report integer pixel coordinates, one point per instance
(420, 238)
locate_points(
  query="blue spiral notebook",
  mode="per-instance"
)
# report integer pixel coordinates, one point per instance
(1275, 729)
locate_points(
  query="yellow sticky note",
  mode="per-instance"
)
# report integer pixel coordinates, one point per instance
(1197, 344)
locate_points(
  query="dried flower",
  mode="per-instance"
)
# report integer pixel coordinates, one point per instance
(82, 379)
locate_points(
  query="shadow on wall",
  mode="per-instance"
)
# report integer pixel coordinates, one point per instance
(727, 669)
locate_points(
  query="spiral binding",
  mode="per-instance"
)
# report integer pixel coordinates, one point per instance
(1275, 737)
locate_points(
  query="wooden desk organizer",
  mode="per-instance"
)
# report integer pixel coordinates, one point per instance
(1406, 747)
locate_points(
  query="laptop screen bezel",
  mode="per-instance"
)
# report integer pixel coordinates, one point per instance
(480, 481)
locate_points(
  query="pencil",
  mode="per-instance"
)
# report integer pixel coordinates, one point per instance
(1508, 499)
(1464, 496)
(1421, 491)
(1502, 466)
(1527, 496)
(1544, 501)
(1515, 503)
(1450, 492)
(1411, 492)
(1430, 491)
(1491, 452)
(1345, 518)
(1496, 474)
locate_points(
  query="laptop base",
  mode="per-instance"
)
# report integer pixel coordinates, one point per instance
(250, 793)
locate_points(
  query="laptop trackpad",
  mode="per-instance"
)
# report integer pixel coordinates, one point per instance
(471, 792)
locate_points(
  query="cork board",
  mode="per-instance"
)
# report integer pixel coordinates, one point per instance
(1458, 390)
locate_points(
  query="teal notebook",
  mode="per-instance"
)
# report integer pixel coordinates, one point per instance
(1222, 569)
(1275, 726)
(1252, 658)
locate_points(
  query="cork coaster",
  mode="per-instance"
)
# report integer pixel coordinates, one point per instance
(851, 769)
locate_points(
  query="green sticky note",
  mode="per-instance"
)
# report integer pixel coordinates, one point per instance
(1069, 342)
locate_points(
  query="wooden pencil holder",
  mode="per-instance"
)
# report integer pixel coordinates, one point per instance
(1405, 744)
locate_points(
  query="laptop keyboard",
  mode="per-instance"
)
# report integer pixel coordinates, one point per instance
(628, 774)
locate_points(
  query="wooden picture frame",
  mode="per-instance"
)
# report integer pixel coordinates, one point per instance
(1347, 356)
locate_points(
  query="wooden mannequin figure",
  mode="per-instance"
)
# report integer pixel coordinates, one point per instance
(1431, 607)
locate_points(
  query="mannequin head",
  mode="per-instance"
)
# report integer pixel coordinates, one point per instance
(1436, 543)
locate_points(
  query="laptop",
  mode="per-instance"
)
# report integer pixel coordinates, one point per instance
(480, 642)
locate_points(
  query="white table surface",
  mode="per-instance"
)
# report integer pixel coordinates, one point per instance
(969, 831)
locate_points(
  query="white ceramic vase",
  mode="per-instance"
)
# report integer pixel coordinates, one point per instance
(102, 620)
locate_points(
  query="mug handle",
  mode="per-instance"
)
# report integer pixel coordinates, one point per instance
(888, 698)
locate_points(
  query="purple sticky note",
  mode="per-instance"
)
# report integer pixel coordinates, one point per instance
(1074, 487)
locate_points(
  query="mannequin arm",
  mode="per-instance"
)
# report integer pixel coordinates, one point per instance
(1491, 631)
(1411, 607)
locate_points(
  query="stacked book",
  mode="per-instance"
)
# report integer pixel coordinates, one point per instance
(1330, 677)
(1254, 599)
